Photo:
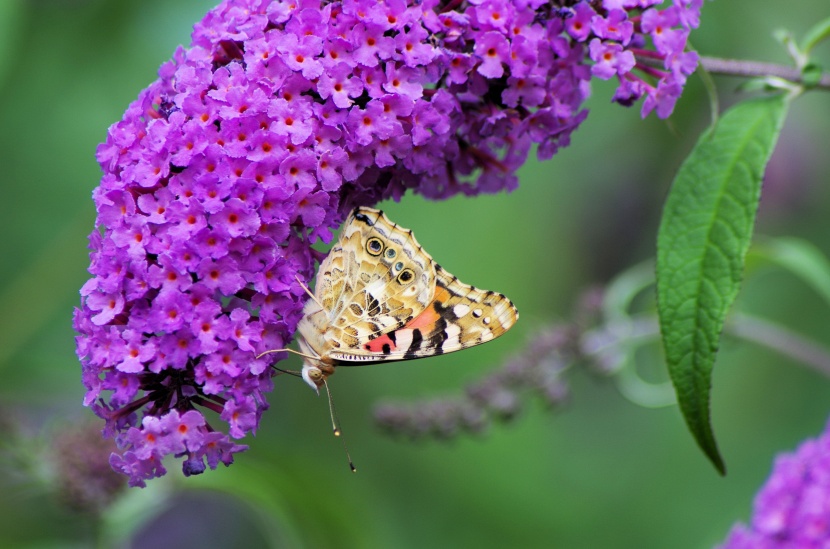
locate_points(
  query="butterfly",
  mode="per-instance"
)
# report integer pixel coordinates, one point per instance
(379, 297)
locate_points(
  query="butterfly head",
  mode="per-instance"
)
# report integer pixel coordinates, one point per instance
(315, 374)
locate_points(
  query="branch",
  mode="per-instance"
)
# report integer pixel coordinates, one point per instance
(736, 67)
(639, 330)
(779, 339)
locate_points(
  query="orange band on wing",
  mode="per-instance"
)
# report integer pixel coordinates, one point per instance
(429, 317)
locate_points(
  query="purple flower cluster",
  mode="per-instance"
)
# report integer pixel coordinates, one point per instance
(793, 509)
(258, 139)
(618, 34)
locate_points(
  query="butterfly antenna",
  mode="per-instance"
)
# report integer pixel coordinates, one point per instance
(311, 295)
(336, 428)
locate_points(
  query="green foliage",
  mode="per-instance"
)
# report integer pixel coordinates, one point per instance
(10, 14)
(798, 256)
(704, 235)
(817, 34)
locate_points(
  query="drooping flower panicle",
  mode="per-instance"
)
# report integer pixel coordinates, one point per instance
(538, 370)
(257, 140)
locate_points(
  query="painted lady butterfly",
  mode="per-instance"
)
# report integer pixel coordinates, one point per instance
(380, 297)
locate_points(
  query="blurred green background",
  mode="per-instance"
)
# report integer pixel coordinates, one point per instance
(600, 472)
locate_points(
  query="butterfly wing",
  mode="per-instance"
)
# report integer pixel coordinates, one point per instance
(459, 316)
(376, 279)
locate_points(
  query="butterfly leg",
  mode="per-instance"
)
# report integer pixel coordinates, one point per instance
(298, 353)
(294, 373)
(280, 370)
(311, 295)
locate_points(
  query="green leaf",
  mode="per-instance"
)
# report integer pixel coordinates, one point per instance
(754, 85)
(701, 245)
(819, 32)
(811, 75)
(785, 38)
(799, 257)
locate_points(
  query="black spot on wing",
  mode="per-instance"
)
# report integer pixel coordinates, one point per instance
(444, 312)
(386, 349)
(437, 339)
(363, 218)
(417, 340)
(372, 305)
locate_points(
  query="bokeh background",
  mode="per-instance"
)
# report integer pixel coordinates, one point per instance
(599, 472)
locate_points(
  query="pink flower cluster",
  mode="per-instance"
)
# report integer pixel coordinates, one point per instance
(258, 139)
